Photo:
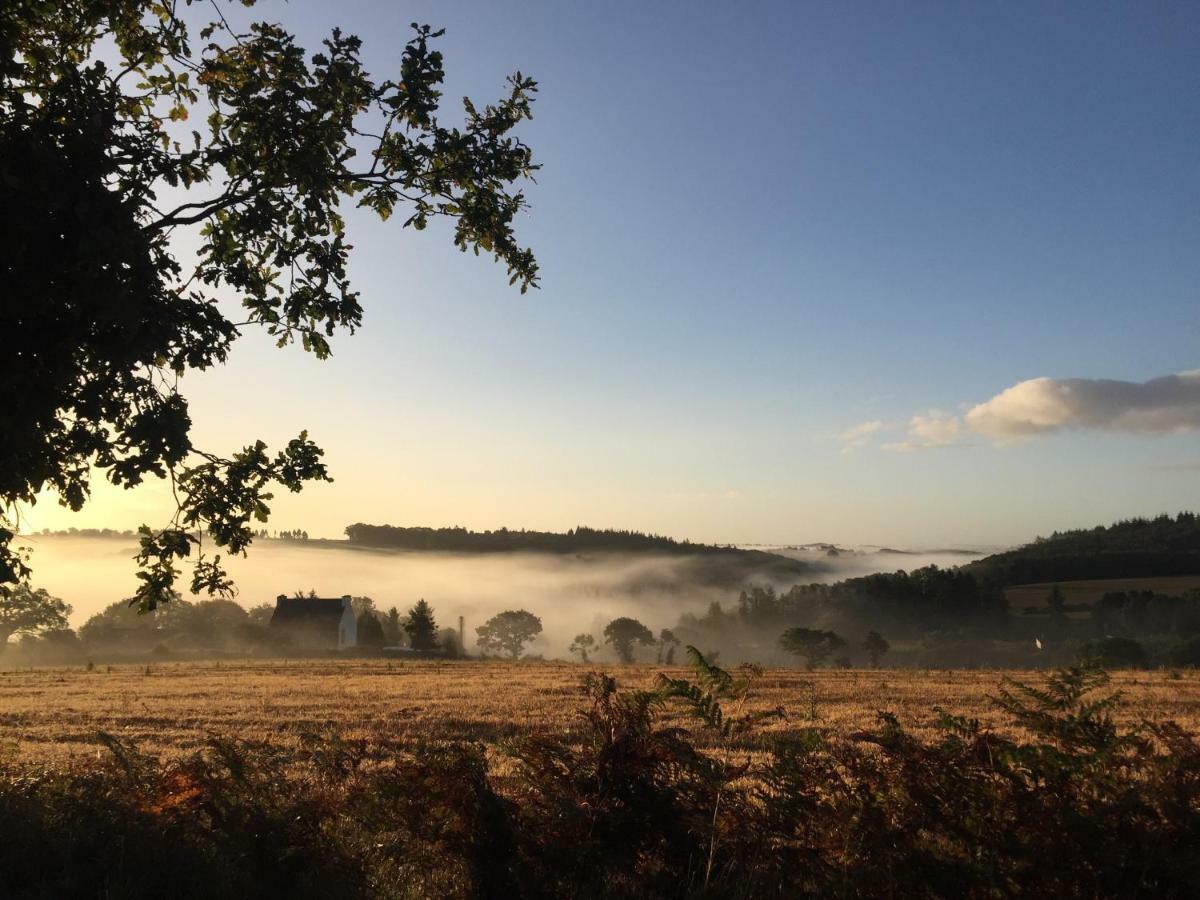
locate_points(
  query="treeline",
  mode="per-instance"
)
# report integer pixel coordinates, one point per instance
(88, 532)
(1133, 548)
(463, 540)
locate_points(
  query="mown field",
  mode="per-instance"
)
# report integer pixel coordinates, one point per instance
(53, 715)
(1089, 591)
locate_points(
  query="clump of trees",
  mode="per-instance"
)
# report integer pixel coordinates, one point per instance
(508, 632)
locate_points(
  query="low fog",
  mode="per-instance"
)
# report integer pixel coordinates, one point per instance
(855, 561)
(570, 593)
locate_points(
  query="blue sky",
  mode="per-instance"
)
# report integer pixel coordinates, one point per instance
(759, 226)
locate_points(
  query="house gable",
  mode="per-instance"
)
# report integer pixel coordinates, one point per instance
(315, 622)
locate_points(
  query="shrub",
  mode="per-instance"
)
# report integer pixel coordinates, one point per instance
(1187, 653)
(1117, 653)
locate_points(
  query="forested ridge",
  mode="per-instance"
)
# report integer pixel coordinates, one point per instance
(1131, 548)
(576, 540)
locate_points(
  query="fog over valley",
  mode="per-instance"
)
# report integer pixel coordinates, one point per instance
(571, 593)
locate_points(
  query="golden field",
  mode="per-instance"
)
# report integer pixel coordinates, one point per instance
(51, 716)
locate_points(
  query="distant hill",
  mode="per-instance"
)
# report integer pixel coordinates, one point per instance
(1134, 548)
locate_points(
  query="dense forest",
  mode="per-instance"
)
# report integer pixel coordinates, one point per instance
(1132, 548)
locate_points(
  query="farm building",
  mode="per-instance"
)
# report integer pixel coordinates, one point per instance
(316, 623)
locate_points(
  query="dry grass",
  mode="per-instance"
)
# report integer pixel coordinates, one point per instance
(51, 715)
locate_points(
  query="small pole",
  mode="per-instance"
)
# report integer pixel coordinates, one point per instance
(462, 638)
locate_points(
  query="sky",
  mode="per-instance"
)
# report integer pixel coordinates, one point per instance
(922, 275)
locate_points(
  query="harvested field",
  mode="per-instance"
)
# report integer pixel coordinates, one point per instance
(52, 715)
(1023, 595)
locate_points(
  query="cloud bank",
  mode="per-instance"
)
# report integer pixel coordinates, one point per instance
(1042, 406)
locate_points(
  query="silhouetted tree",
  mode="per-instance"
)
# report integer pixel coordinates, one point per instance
(508, 632)
(667, 642)
(1057, 604)
(24, 610)
(103, 195)
(392, 630)
(876, 646)
(370, 630)
(261, 613)
(812, 645)
(622, 633)
(421, 627)
(583, 645)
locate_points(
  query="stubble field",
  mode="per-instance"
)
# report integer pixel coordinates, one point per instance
(52, 716)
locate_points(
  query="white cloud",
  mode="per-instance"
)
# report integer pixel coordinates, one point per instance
(1046, 405)
(935, 429)
(1043, 406)
(860, 435)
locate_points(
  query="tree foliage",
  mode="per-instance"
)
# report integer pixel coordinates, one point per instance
(24, 610)
(124, 140)
(508, 632)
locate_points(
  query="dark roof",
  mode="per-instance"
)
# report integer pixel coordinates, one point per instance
(308, 609)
